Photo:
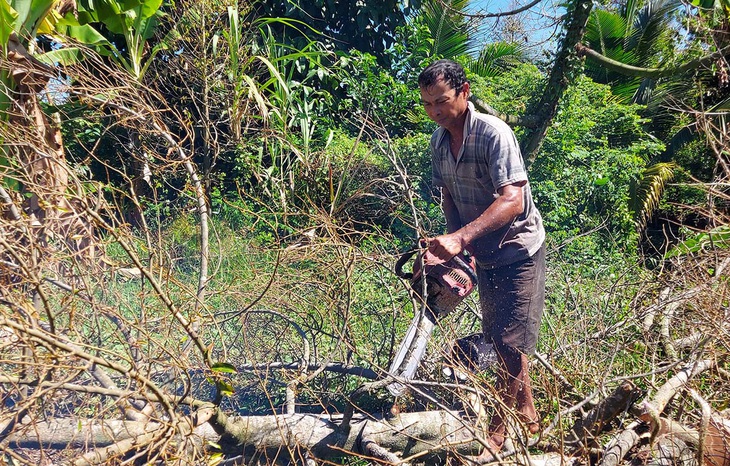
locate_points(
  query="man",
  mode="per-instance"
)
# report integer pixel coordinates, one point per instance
(489, 210)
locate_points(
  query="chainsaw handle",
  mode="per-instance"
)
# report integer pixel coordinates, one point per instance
(459, 259)
(401, 262)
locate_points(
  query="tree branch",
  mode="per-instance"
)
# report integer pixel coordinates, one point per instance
(336, 367)
(584, 432)
(652, 73)
(529, 121)
(625, 440)
(500, 14)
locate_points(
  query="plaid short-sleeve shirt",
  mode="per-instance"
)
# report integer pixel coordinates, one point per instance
(489, 159)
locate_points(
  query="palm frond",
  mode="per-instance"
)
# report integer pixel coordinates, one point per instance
(649, 26)
(678, 89)
(635, 36)
(605, 31)
(496, 58)
(630, 11)
(449, 29)
(646, 193)
(645, 91)
(627, 90)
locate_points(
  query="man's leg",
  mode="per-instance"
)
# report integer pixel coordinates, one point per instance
(512, 299)
(513, 386)
(508, 384)
(525, 401)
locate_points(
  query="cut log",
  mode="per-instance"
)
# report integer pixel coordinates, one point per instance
(628, 438)
(584, 432)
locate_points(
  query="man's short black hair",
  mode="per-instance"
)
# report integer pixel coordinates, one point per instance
(451, 72)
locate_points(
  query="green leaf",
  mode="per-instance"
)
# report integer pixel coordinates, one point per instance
(716, 238)
(109, 13)
(601, 181)
(65, 56)
(145, 28)
(705, 4)
(22, 7)
(9, 183)
(224, 367)
(7, 18)
(149, 8)
(30, 14)
(86, 35)
(83, 33)
(126, 5)
(225, 388)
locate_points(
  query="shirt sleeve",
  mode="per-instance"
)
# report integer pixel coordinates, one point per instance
(504, 157)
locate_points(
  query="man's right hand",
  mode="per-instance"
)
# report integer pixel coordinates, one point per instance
(443, 248)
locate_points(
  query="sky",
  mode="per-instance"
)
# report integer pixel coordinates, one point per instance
(535, 27)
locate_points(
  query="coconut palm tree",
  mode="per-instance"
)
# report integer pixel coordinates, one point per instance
(636, 49)
(635, 35)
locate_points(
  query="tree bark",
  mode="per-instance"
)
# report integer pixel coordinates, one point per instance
(565, 68)
(585, 431)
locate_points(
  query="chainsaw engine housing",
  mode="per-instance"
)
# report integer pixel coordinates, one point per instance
(447, 284)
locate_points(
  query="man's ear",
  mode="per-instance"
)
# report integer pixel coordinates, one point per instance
(466, 88)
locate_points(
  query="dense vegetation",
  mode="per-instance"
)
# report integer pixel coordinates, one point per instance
(203, 202)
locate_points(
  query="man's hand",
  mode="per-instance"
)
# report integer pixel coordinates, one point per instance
(505, 208)
(444, 247)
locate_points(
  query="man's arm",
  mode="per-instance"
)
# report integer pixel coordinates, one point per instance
(508, 206)
(453, 222)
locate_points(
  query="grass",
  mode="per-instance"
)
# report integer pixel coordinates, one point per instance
(330, 300)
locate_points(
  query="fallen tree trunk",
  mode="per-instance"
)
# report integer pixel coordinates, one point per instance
(59, 434)
(411, 434)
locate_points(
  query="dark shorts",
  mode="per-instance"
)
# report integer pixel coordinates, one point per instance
(512, 299)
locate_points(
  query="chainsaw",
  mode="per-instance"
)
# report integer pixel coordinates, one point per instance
(439, 288)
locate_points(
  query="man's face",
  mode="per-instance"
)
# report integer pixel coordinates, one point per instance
(443, 104)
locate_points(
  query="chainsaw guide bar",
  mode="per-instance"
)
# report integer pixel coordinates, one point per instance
(445, 286)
